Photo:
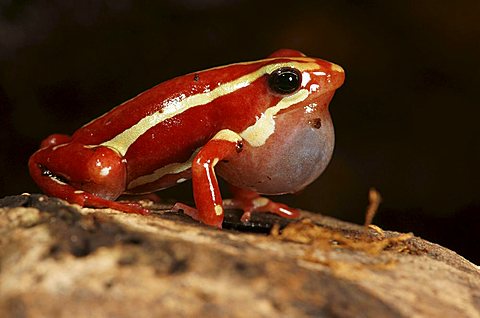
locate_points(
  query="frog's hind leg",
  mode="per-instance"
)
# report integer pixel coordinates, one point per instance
(55, 140)
(250, 201)
(90, 177)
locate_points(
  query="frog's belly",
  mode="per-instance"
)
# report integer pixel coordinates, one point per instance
(291, 158)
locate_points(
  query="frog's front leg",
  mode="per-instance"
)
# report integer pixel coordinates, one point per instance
(208, 200)
(250, 201)
(206, 192)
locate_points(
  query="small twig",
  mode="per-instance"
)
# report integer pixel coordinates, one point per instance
(374, 200)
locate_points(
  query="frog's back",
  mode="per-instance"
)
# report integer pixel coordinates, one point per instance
(161, 99)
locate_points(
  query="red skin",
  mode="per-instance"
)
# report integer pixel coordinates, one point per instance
(77, 170)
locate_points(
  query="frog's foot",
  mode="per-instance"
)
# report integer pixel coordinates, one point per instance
(250, 202)
(90, 200)
(188, 210)
(128, 198)
(128, 206)
(87, 199)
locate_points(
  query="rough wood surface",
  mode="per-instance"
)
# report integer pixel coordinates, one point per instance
(57, 260)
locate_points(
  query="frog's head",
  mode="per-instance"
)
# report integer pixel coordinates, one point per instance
(303, 81)
(295, 131)
(291, 72)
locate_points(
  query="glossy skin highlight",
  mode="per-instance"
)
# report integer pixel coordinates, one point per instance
(227, 120)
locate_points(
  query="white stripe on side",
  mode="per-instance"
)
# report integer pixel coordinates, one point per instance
(175, 168)
(172, 168)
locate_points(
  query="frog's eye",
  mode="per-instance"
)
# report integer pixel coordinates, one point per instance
(285, 80)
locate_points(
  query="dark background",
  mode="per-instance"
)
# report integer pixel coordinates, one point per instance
(406, 119)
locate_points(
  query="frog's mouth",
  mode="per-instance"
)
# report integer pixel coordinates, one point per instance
(310, 105)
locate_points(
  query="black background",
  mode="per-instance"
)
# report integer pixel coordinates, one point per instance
(406, 119)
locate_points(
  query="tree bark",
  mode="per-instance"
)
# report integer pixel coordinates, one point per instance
(59, 260)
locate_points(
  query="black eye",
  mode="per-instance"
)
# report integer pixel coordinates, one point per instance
(285, 80)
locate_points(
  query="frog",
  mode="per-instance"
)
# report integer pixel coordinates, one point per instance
(262, 126)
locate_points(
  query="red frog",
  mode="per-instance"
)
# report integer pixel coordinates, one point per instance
(263, 126)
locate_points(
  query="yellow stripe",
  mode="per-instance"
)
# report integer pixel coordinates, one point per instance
(337, 68)
(178, 105)
(264, 127)
(228, 135)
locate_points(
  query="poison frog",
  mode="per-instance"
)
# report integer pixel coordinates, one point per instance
(263, 126)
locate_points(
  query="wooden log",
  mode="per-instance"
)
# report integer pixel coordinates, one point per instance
(58, 260)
